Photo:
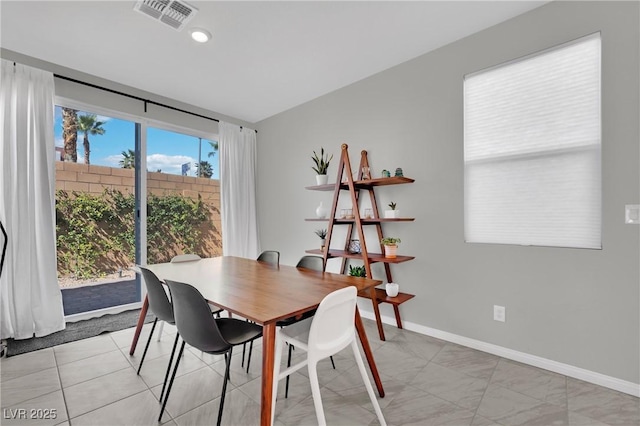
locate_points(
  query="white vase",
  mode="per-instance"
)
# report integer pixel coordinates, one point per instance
(322, 179)
(391, 214)
(392, 289)
(321, 211)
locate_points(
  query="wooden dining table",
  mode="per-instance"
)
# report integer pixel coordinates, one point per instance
(265, 294)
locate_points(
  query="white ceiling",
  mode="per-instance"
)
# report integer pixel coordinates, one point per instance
(265, 57)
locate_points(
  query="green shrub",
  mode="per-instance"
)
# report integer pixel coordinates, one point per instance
(94, 233)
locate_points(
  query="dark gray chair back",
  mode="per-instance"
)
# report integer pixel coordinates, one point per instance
(194, 321)
(158, 300)
(311, 262)
(271, 257)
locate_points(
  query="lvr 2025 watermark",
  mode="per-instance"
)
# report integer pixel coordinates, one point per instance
(29, 413)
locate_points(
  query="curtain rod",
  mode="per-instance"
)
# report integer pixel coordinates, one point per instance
(145, 101)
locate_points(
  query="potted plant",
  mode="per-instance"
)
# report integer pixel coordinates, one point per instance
(357, 271)
(390, 246)
(321, 166)
(393, 213)
(322, 233)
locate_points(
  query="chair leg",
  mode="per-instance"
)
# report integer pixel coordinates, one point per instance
(166, 376)
(249, 359)
(315, 392)
(286, 387)
(224, 387)
(160, 331)
(367, 383)
(244, 347)
(146, 348)
(173, 376)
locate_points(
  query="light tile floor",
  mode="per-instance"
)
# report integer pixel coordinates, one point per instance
(427, 382)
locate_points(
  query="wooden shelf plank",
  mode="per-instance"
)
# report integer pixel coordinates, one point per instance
(327, 187)
(393, 180)
(373, 257)
(382, 297)
(363, 184)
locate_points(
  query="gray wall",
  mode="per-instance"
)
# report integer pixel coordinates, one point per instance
(578, 307)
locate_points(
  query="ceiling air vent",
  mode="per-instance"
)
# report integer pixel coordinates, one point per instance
(173, 13)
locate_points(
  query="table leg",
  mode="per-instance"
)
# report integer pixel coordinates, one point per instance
(376, 312)
(396, 310)
(143, 315)
(268, 358)
(368, 354)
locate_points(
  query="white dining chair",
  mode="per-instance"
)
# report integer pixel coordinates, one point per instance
(328, 332)
(187, 257)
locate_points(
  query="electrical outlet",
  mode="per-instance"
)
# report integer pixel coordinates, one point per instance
(499, 313)
(632, 213)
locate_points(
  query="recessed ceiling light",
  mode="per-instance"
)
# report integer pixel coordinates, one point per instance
(200, 35)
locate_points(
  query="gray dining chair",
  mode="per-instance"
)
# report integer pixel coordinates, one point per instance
(188, 257)
(315, 263)
(201, 330)
(160, 306)
(191, 257)
(271, 257)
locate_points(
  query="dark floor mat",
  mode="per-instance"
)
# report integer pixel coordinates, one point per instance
(77, 331)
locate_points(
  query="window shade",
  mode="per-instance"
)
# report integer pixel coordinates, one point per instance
(532, 138)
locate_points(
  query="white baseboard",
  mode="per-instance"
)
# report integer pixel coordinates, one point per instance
(533, 360)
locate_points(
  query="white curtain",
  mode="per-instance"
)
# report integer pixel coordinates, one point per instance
(238, 158)
(30, 299)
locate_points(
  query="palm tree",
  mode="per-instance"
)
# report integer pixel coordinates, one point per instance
(214, 147)
(89, 125)
(70, 134)
(128, 159)
(205, 169)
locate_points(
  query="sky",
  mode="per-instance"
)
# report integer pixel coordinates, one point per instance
(166, 150)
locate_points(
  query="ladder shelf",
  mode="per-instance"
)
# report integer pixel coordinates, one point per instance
(346, 182)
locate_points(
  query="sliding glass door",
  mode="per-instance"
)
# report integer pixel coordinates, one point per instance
(95, 210)
(183, 196)
(128, 193)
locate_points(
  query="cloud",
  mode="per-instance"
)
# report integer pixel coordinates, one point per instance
(112, 160)
(168, 163)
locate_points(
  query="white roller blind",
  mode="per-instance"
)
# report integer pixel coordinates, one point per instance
(532, 137)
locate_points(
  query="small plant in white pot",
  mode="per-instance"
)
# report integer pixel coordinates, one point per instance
(322, 233)
(393, 213)
(321, 166)
(390, 246)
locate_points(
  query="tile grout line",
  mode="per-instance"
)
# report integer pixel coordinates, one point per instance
(64, 396)
(475, 412)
